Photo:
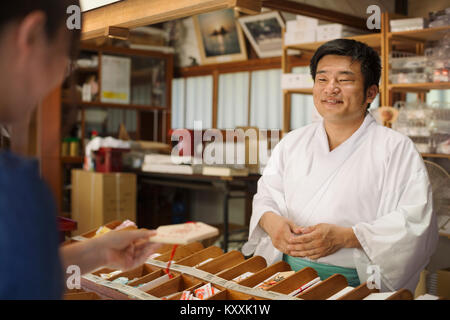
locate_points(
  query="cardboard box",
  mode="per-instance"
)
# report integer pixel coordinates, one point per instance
(299, 36)
(443, 283)
(296, 81)
(301, 23)
(98, 198)
(399, 25)
(333, 31)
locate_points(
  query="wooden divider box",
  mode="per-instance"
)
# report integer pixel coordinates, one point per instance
(325, 289)
(150, 277)
(136, 273)
(359, 293)
(228, 266)
(223, 262)
(181, 252)
(252, 265)
(265, 273)
(84, 295)
(201, 256)
(177, 284)
(111, 225)
(298, 279)
(229, 294)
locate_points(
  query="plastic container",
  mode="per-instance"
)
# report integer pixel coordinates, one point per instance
(74, 144)
(65, 225)
(109, 159)
(65, 147)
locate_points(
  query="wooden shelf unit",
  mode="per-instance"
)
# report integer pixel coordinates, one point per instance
(72, 160)
(107, 105)
(418, 87)
(381, 42)
(428, 34)
(53, 164)
(373, 40)
(435, 155)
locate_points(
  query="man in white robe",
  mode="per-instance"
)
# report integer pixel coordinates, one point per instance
(346, 191)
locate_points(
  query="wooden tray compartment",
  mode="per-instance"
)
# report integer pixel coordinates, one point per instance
(359, 293)
(164, 248)
(229, 294)
(111, 225)
(253, 264)
(181, 252)
(223, 262)
(177, 284)
(138, 272)
(200, 256)
(265, 273)
(83, 295)
(295, 281)
(178, 295)
(325, 289)
(402, 294)
(103, 270)
(151, 276)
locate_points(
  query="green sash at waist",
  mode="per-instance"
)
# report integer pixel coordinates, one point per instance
(323, 270)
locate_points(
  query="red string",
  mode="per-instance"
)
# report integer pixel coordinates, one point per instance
(172, 254)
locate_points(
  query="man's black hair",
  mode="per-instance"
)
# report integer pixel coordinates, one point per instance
(358, 51)
(54, 10)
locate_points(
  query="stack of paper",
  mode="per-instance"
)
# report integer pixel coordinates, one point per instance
(167, 164)
(224, 171)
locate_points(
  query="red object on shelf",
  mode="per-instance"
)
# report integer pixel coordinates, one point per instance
(109, 159)
(65, 225)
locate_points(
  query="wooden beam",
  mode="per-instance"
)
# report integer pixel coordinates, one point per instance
(137, 13)
(315, 12)
(117, 33)
(248, 6)
(49, 122)
(241, 66)
(215, 102)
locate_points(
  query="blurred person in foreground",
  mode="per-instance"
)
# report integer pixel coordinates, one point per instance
(35, 49)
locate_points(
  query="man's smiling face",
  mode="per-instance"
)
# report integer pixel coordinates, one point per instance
(339, 89)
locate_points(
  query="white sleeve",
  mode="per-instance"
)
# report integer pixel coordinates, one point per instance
(269, 196)
(404, 236)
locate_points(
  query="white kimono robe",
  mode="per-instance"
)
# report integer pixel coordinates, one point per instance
(375, 182)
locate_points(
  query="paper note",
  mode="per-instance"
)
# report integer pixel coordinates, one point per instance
(340, 293)
(274, 279)
(242, 276)
(379, 296)
(115, 79)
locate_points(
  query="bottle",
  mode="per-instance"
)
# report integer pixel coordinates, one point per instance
(65, 147)
(74, 146)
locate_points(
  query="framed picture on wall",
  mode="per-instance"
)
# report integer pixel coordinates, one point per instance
(220, 38)
(264, 33)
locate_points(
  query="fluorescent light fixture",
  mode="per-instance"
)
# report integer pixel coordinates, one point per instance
(87, 5)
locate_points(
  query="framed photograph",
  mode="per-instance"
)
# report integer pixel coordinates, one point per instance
(264, 33)
(220, 38)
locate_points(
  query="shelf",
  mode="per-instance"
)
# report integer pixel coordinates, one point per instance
(442, 234)
(435, 155)
(428, 34)
(419, 87)
(72, 160)
(98, 104)
(86, 70)
(299, 91)
(373, 40)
